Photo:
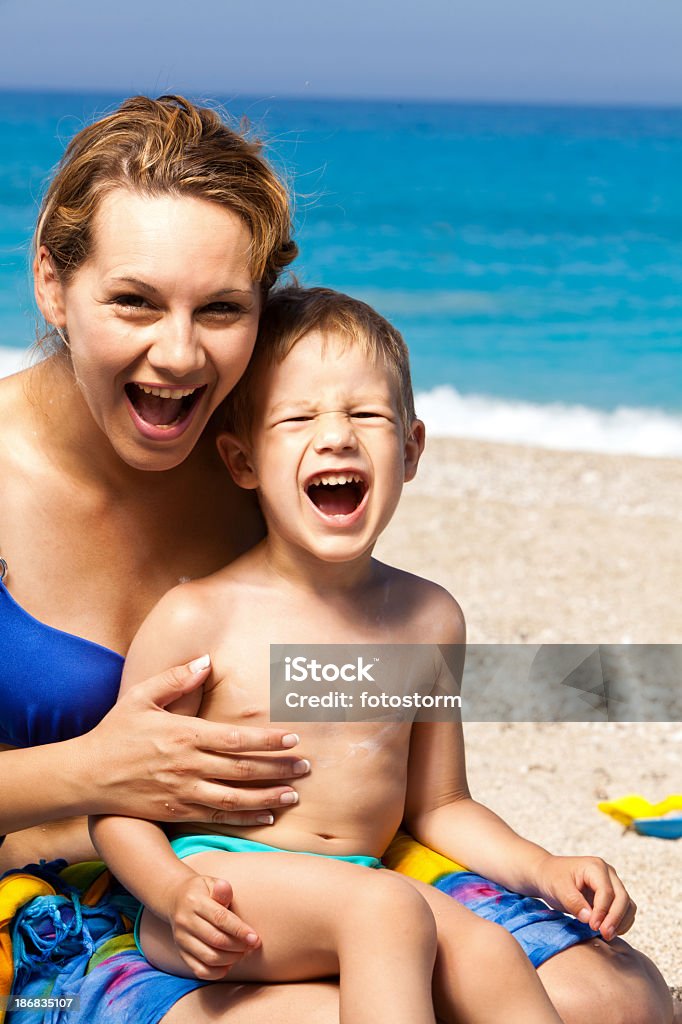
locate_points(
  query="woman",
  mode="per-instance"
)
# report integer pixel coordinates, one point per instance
(156, 244)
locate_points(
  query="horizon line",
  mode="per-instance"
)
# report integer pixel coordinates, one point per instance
(228, 96)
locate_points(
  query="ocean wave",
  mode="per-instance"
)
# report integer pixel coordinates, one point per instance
(447, 413)
(632, 431)
(13, 359)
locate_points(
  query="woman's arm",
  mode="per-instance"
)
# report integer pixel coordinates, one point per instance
(146, 762)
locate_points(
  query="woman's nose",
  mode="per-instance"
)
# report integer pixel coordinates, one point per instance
(335, 433)
(177, 348)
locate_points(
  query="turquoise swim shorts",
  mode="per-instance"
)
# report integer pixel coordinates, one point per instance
(185, 846)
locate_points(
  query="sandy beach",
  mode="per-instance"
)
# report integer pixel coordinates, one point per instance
(562, 547)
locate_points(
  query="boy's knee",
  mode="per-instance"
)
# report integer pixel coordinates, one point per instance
(392, 905)
(492, 944)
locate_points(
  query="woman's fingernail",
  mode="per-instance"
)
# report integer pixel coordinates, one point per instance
(266, 819)
(290, 740)
(584, 915)
(199, 664)
(289, 798)
(252, 938)
(301, 767)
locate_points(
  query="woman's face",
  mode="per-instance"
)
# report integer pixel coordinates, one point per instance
(161, 321)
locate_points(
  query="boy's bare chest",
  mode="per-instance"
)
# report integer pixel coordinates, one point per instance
(240, 692)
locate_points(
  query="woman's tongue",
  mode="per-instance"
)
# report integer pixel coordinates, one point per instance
(160, 412)
(334, 500)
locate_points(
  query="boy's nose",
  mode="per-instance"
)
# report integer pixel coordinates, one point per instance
(177, 349)
(335, 433)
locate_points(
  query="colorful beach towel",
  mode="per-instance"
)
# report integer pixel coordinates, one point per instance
(540, 931)
(56, 923)
(66, 931)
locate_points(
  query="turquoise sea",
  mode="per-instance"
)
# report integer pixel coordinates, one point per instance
(532, 256)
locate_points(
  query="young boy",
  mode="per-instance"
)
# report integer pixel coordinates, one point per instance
(323, 426)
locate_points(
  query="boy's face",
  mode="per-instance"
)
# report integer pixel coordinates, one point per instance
(327, 452)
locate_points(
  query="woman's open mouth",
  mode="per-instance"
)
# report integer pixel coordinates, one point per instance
(162, 410)
(337, 495)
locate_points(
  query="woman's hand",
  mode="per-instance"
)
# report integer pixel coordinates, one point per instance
(143, 761)
(589, 889)
(208, 936)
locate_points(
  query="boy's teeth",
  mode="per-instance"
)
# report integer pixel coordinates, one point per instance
(167, 392)
(335, 478)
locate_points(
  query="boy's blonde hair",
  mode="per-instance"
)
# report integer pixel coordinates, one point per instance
(293, 312)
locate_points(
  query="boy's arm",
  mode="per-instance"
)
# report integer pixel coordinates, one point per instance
(208, 936)
(139, 854)
(178, 623)
(441, 814)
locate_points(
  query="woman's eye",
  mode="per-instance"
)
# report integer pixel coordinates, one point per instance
(221, 309)
(297, 419)
(368, 415)
(130, 301)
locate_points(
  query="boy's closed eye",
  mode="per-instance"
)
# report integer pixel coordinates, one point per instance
(370, 414)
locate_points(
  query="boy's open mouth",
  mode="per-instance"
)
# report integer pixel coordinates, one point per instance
(336, 494)
(163, 408)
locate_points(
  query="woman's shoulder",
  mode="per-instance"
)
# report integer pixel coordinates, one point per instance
(16, 433)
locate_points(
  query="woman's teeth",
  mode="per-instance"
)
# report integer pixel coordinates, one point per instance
(162, 407)
(166, 392)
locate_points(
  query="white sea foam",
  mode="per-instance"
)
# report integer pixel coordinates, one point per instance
(568, 427)
(12, 359)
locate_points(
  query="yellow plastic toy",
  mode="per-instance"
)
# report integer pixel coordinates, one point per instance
(663, 819)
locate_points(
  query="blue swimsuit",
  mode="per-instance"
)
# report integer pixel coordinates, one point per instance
(81, 679)
(55, 686)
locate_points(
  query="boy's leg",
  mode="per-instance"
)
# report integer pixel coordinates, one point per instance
(318, 917)
(482, 975)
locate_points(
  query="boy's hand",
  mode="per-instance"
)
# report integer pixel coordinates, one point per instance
(588, 888)
(209, 937)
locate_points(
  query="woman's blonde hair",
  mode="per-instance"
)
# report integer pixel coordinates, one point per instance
(159, 147)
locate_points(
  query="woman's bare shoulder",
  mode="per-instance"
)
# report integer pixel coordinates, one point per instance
(15, 410)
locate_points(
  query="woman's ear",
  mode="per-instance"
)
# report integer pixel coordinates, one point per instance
(237, 457)
(49, 290)
(414, 446)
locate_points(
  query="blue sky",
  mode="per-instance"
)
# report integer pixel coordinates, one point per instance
(611, 51)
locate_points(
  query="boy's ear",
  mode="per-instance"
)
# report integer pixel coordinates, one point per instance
(49, 290)
(414, 446)
(237, 457)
